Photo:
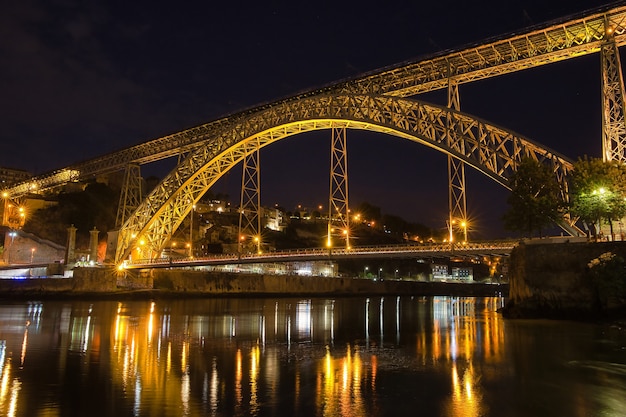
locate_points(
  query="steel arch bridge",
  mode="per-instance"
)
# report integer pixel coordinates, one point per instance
(492, 150)
(215, 147)
(601, 30)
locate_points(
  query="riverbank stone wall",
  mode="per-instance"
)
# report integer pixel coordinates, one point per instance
(108, 282)
(567, 280)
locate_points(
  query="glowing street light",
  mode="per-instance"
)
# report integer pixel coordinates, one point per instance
(12, 235)
(464, 226)
(450, 223)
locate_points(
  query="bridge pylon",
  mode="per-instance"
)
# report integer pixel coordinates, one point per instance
(131, 195)
(457, 204)
(250, 206)
(338, 209)
(613, 106)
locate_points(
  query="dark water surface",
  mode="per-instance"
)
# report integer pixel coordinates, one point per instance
(381, 356)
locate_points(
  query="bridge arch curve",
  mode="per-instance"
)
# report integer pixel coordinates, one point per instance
(492, 150)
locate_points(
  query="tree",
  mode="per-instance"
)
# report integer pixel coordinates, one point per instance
(534, 202)
(93, 207)
(597, 192)
(369, 212)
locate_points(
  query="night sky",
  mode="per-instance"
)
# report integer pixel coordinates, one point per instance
(79, 79)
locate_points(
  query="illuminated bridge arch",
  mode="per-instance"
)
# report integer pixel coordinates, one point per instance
(492, 150)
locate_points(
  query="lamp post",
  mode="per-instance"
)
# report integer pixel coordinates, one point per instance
(32, 254)
(365, 271)
(380, 270)
(12, 234)
(599, 194)
(464, 226)
(450, 223)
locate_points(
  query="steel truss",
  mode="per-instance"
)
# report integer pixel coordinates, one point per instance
(494, 151)
(555, 42)
(613, 111)
(250, 207)
(338, 209)
(457, 203)
(131, 194)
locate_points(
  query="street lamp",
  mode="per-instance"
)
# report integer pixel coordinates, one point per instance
(12, 235)
(365, 271)
(450, 223)
(257, 241)
(601, 208)
(32, 254)
(380, 270)
(464, 226)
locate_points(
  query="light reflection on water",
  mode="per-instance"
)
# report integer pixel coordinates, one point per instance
(440, 356)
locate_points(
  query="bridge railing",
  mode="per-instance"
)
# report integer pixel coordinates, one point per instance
(295, 254)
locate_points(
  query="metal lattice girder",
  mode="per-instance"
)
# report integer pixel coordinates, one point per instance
(249, 209)
(613, 111)
(494, 151)
(555, 42)
(131, 194)
(338, 209)
(457, 204)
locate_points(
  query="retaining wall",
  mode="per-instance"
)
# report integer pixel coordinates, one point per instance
(164, 282)
(554, 280)
(246, 284)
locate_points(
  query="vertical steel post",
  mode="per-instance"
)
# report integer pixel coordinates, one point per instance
(249, 209)
(131, 195)
(613, 110)
(456, 170)
(338, 209)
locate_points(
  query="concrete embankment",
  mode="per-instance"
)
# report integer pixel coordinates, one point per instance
(103, 282)
(567, 280)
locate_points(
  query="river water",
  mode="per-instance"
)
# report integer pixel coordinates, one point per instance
(377, 356)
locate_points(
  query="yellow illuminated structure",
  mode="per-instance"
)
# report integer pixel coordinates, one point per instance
(338, 208)
(375, 102)
(250, 206)
(602, 30)
(490, 149)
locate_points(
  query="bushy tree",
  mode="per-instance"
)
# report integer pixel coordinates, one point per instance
(94, 207)
(597, 191)
(535, 201)
(369, 212)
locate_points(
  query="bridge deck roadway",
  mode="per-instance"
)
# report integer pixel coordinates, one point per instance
(499, 248)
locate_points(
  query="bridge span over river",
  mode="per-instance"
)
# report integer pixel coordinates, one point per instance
(382, 101)
(422, 251)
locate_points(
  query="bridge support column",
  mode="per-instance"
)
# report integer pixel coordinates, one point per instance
(131, 195)
(456, 173)
(6, 205)
(613, 110)
(249, 209)
(70, 250)
(93, 245)
(338, 209)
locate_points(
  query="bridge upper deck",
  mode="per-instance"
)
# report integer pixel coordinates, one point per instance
(552, 42)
